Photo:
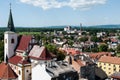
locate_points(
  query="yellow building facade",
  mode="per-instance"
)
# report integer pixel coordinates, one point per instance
(109, 64)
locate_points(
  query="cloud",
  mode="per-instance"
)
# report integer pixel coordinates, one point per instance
(74, 4)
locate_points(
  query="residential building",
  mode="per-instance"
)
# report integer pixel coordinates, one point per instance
(109, 64)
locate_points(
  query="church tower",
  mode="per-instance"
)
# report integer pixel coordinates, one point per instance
(10, 39)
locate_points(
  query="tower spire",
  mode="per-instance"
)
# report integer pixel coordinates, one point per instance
(10, 25)
(81, 27)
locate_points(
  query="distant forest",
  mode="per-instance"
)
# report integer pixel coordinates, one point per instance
(51, 29)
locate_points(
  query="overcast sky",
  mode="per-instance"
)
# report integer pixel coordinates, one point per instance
(39, 13)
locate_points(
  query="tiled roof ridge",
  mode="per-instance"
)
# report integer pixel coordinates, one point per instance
(109, 59)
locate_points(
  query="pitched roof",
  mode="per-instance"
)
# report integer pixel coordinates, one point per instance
(40, 53)
(6, 72)
(108, 59)
(72, 51)
(77, 64)
(24, 42)
(10, 23)
(99, 54)
(17, 59)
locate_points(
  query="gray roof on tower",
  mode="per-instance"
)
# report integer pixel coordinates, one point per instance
(10, 25)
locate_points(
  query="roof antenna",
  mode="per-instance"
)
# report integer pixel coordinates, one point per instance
(10, 5)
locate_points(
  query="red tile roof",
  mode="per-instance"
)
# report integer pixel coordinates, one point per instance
(17, 59)
(114, 40)
(40, 53)
(109, 59)
(77, 64)
(80, 63)
(24, 42)
(99, 54)
(72, 51)
(6, 72)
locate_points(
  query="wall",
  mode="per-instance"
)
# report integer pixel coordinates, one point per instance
(109, 68)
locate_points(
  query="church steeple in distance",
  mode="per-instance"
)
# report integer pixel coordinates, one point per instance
(10, 25)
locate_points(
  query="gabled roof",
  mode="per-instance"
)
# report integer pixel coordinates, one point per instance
(24, 42)
(99, 54)
(72, 51)
(6, 72)
(111, 60)
(17, 59)
(40, 53)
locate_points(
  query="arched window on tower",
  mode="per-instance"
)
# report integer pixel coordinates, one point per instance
(12, 40)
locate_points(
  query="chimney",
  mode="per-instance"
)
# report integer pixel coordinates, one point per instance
(70, 59)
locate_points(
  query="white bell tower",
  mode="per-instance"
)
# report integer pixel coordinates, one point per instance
(10, 42)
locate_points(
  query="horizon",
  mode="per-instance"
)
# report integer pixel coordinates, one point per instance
(28, 13)
(63, 26)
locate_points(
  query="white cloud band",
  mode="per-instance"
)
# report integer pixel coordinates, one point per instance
(75, 4)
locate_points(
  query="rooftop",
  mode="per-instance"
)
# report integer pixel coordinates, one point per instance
(17, 59)
(6, 72)
(24, 42)
(56, 68)
(99, 54)
(109, 59)
(40, 53)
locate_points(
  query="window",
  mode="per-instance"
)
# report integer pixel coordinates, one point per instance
(15, 67)
(104, 67)
(109, 64)
(12, 40)
(114, 69)
(99, 63)
(27, 70)
(114, 65)
(109, 68)
(104, 64)
(109, 72)
(19, 72)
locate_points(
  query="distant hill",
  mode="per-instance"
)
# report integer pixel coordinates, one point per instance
(105, 26)
(95, 26)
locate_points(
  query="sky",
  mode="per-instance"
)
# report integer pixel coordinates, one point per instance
(40, 13)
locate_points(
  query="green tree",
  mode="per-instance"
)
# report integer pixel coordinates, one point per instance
(103, 47)
(118, 49)
(70, 42)
(83, 39)
(52, 48)
(94, 49)
(119, 37)
(95, 39)
(1, 51)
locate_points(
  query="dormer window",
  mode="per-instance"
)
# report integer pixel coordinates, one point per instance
(12, 40)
